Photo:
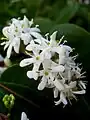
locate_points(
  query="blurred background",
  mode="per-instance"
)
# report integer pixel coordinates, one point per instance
(70, 18)
(50, 12)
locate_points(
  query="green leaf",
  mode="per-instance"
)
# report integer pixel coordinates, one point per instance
(45, 24)
(67, 13)
(16, 80)
(32, 6)
(77, 38)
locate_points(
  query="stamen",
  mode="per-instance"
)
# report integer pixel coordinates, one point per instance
(61, 39)
(46, 35)
(74, 57)
(65, 41)
(36, 26)
(83, 73)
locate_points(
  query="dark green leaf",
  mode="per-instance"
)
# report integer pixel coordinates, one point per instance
(67, 13)
(45, 24)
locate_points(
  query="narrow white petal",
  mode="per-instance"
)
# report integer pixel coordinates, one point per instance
(32, 74)
(30, 46)
(53, 39)
(63, 98)
(46, 64)
(58, 85)
(3, 43)
(79, 92)
(7, 44)
(59, 68)
(5, 31)
(36, 66)
(69, 75)
(31, 22)
(72, 84)
(26, 38)
(83, 84)
(9, 50)
(33, 46)
(47, 55)
(38, 40)
(16, 44)
(58, 102)
(62, 59)
(34, 29)
(26, 62)
(36, 35)
(42, 84)
(67, 48)
(55, 93)
(23, 116)
(26, 22)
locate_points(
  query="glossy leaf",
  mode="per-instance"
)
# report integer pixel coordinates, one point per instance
(67, 13)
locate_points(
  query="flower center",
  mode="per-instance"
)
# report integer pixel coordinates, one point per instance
(16, 29)
(46, 73)
(57, 41)
(22, 25)
(48, 43)
(37, 58)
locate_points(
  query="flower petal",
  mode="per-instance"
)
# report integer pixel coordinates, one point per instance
(26, 62)
(83, 84)
(79, 92)
(42, 84)
(7, 44)
(55, 93)
(23, 116)
(36, 35)
(3, 43)
(5, 31)
(72, 84)
(26, 37)
(16, 44)
(36, 66)
(38, 40)
(35, 29)
(53, 39)
(58, 85)
(63, 98)
(32, 74)
(26, 22)
(9, 50)
(59, 68)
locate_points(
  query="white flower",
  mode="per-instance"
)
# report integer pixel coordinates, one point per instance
(57, 69)
(24, 116)
(66, 92)
(19, 30)
(48, 74)
(36, 59)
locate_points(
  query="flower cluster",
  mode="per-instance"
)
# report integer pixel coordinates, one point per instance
(55, 67)
(17, 31)
(50, 59)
